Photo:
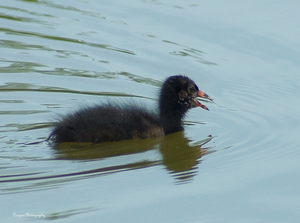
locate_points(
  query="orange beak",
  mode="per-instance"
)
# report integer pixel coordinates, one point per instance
(201, 94)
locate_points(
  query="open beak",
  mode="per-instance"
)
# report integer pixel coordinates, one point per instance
(201, 94)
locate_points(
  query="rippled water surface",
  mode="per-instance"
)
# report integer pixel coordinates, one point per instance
(239, 162)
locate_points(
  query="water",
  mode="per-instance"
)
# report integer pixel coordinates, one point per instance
(58, 56)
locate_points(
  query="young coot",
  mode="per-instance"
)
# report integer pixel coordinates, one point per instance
(109, 122)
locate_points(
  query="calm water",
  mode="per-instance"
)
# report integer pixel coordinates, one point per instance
(239, 162)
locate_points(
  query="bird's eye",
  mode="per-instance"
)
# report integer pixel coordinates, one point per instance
(191, 88)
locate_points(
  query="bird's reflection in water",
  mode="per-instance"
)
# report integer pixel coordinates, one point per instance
(177, 155)
(180, 157)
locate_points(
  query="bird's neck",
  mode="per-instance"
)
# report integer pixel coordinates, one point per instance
(171, 120)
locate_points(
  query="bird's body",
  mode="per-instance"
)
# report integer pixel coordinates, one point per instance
(108, 122)
(116, 123)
